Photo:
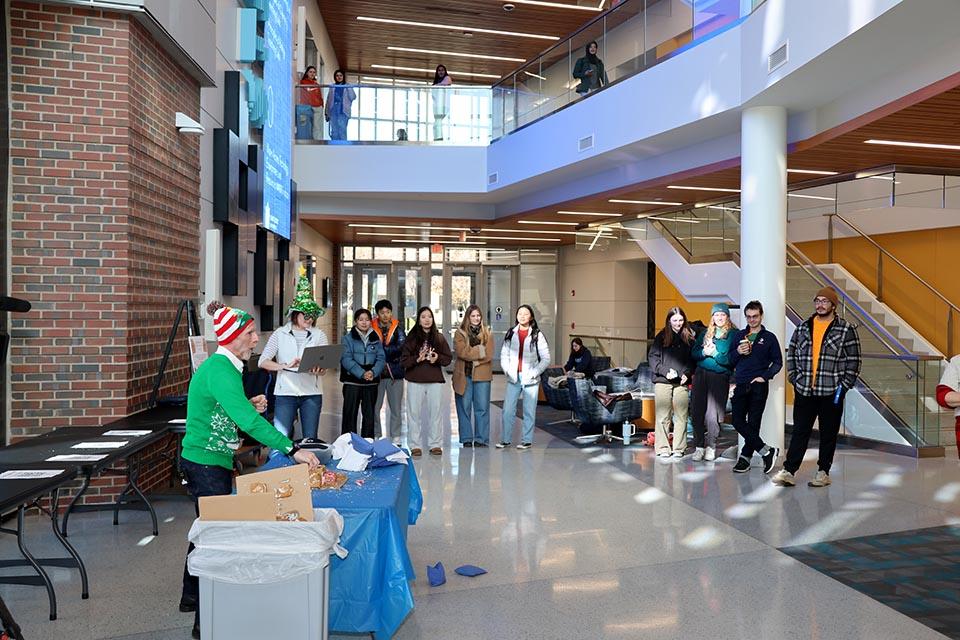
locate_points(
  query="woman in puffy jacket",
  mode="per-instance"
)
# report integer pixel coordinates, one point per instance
(360, 367)
(524, 355)
(671, 363)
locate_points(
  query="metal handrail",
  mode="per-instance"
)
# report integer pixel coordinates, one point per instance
(582, 335)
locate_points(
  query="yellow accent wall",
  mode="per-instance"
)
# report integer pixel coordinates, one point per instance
(931, 254)
(668, 296)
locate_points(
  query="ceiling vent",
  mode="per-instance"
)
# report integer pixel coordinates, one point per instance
(585, 143)
(777, 59)
(493, 178)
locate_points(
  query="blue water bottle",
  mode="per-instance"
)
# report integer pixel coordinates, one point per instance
(627, 429)
(836, 396)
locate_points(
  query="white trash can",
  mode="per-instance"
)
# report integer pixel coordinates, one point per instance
(261, 579)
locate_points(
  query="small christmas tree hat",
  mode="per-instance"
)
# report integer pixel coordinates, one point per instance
(303, 299)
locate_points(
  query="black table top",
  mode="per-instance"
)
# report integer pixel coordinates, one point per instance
(14, 493)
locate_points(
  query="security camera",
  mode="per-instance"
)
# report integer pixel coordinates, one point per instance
(186, 124)
(508, 7)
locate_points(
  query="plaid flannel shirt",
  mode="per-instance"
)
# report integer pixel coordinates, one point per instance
(839, 358)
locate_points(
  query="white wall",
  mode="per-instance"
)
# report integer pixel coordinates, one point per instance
(321, 39)
(311, 242)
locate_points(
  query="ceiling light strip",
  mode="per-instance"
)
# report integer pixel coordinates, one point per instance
(433, 25)
(919, 145)
(722, 190)
(656, 203)
(590, 213)
(557, 5)
(562, 224)
(423, 70)
(455, 54)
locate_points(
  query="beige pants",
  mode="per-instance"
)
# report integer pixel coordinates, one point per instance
(671, 404)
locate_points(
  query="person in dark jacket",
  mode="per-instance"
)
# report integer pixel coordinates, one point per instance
(589, 71)
(392, 337)
(711, 381)
(425, 354)
(580, 360)
(361, 364)
(756, 358)
(671, 365)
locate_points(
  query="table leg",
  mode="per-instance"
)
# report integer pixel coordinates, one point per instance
(54, 506)
(36, 565)
(76, 499)
(133, 473)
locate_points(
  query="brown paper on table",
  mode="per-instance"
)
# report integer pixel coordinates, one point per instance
(288, 487)
(252, 507)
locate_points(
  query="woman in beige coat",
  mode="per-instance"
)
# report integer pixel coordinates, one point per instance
(472, 373)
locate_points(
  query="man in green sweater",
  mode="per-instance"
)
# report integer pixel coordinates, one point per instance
(217, 409)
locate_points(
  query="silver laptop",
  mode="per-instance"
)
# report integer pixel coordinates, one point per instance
(325, 357)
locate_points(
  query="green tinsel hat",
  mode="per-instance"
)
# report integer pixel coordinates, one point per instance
(303, 299)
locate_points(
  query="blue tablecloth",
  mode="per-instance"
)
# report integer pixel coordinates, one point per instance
(370, 589)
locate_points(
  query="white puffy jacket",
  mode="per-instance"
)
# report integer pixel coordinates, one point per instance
(535, 362)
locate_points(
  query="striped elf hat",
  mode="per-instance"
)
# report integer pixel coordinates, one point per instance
(228, 323)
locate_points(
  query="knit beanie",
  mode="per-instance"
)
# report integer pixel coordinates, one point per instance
(830, 294)
(228, 323)
(720, 306)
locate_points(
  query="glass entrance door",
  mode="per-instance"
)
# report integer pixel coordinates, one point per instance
(464, 288)
(501, 303)
(411, 294)
(371, 283)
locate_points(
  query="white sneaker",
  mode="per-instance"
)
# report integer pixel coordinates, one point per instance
(698, 454)
(710, 455)
(663, 454)
(678, 454)
(784, 478)
(822, 479)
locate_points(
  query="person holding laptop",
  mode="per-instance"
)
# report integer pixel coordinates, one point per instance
(296, 392)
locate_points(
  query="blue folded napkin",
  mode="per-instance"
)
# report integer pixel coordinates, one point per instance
(360, 445)
(436, 575)
(470, 570)
(383, 448)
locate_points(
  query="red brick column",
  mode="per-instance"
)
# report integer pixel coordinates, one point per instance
(105, 218)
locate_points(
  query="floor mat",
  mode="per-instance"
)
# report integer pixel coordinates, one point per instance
(914, 572)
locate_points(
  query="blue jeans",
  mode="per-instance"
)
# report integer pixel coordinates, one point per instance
(285, 410)
(476, 401)
(513, 393)
(304, 122)
(202, 480)
(338, 126)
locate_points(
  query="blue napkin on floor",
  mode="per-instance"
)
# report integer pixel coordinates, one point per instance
(470, 570)
(436, 575)
(360, 445)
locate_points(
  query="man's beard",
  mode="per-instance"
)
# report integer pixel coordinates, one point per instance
(824, 313)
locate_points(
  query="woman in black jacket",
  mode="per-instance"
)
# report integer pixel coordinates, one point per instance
(671, 364)
(589, 71)
(580, 360)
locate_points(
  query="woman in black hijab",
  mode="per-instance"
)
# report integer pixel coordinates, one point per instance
(589, 71)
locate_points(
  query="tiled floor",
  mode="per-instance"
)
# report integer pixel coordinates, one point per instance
(579, 543)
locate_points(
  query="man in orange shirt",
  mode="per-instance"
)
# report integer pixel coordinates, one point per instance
(823, 363)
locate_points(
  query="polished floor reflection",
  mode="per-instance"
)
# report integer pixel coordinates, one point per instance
(578, 542)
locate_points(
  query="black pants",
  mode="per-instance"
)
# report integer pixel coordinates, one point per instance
(364, 398)
(806, 409)
(708, 405)
(202, 480)
(749, 400)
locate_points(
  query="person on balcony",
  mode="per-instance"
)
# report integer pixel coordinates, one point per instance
(756, 360)
(524, 356)
(310, 106)
(823, 363)
(472, 376)
(589, 71)
(948, 391)
(671, 364)
(441, 100)
(711, 381)
(424, 355)
(339, 105)
(580, 360)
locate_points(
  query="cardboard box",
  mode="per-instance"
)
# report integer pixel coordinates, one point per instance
(252, 507)
(288, 487)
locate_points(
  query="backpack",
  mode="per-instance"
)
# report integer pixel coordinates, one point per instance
(534, 336)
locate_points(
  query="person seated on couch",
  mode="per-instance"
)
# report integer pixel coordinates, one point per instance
(580, 360)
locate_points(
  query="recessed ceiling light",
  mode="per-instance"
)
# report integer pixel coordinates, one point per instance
(424, 70)
(801, 195)
(441, 242)
(677, 186)
(653, 202)
(594, 214)
(454, 54)
(450, 27)
(557, 5)
(429, 236)
(392, 80)
(519, 238)
(722, 208)
(562, 224)
(403, 226)
(920, 145)
(690, 220)
(536, 231)
(812, 172)
(531, 74)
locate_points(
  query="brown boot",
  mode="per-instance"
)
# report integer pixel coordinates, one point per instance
(436, 451)
(416, 453)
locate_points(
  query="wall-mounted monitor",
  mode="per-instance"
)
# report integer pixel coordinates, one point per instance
(278, 124)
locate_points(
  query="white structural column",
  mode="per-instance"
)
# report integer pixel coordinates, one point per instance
(763, 236)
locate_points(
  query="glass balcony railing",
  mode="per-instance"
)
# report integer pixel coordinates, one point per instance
(392, 114)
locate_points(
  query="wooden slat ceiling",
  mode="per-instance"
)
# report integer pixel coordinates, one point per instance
(360, 44)
(932, 119)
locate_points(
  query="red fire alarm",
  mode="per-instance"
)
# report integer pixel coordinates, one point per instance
(573, 293)
(436, 248)
(573, 325)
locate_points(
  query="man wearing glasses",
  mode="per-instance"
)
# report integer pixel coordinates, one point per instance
(757, 359)
(823, 362)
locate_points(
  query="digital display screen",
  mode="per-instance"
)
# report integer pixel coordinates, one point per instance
(278, 125)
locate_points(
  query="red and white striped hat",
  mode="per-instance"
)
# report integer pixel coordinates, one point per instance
(228, 323)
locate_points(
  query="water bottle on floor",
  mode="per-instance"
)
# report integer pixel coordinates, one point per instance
(627, 432)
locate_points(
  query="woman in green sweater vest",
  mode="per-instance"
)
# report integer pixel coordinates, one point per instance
(217, 409)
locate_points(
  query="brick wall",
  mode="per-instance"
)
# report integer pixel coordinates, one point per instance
(104, 222)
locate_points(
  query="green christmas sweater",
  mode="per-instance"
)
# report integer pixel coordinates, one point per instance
(216, 408)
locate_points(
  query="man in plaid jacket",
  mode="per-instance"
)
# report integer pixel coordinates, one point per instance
(823, 363)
